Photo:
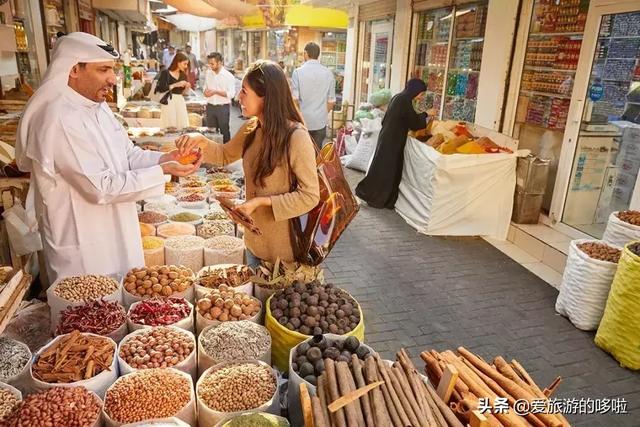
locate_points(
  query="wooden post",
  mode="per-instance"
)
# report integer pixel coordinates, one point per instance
(447, 383)
(478, 419)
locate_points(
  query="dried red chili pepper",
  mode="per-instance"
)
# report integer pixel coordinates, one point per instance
(160, 311)
(97, 317)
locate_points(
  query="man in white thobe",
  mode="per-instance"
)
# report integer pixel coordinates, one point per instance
(86, 175)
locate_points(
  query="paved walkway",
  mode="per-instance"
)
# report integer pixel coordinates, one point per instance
(422, 293)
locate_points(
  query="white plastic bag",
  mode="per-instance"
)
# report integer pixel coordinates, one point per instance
(366, 147)
(22, 230)
(97, 384)
(585, 288)
(208, 417)
(618, 233)
(350, 144)
(57, 305)
(188, 365)
(187, 323)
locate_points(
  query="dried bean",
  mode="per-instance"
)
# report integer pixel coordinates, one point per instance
(600, 251)
(58, 406)
(150, 217)
(229, 341)
(632, 217)
(85, 288)
(160, 347)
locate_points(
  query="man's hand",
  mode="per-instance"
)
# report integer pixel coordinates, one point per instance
(250, 206)
(209, 92)
(177, 169)
(172, 156)
(189, 142)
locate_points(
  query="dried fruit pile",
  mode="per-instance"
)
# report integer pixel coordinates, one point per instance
(600, 251)
(632, 217)
(315, 309)
(161, 280)
(224, 304)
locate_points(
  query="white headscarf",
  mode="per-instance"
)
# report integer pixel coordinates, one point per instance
(68, 51)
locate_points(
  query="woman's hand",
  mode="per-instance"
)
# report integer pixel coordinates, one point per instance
(250, 206)
(432, 112)
(188, 142)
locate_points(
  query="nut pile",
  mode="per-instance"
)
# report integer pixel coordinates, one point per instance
(14, 356)
(150, 217)
(8, 404)
(308, 362)
(225, 304)
(160, 347)
(234, 276)
(635, 248)
(229, 341)
(237, 387)
(85, 288)
(58, 406)
(224, 244)
(146, 394)
(600, 251)
(161, 280)
(98, 317)
(632, 217)
(74, 357)
(315, 309)
(159, 312)
(216, 228)
(191, 183)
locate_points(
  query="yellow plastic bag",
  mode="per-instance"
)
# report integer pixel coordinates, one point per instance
(619, 331)
(283, 339)
(471, 147)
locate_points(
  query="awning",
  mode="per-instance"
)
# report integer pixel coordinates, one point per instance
(187, 22)
(124, 10)
(297, 15)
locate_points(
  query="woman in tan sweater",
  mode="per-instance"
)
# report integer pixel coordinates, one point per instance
(269, 143)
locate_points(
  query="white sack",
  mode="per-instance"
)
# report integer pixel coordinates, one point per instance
(618, 233)
(366, 147)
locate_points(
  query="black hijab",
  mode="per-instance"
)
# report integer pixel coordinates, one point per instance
(414, 87)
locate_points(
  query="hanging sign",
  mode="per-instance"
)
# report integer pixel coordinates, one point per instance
(596, 91)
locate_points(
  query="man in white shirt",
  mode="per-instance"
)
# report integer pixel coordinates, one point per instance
(167, 56)
(219, 89)
(86, 175)
(314, 87)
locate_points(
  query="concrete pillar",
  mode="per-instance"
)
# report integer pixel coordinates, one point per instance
(350, 68)
(401, 45)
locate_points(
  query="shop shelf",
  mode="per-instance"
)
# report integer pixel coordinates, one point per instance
(548, 69)
(550, 95)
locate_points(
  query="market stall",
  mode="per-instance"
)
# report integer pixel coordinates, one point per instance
(448, 190)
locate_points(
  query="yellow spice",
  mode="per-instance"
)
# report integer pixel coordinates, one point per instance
(151, 242)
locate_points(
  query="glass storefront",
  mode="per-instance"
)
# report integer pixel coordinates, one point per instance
(375, 72)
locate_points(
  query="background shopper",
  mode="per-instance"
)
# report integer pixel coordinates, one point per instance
(194, 67)
(314, 86)
(174, 81)
(219, 89)
(273, 141)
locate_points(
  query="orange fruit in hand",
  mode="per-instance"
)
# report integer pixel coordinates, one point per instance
(190, 158)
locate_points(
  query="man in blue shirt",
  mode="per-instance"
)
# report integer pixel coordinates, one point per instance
(313, 86)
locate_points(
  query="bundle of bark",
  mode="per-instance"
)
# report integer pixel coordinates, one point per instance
(475, 379)
(374, 393)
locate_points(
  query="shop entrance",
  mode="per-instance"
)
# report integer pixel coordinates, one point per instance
(600, 159)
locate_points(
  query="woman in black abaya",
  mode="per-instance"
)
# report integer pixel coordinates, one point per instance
(379, 188)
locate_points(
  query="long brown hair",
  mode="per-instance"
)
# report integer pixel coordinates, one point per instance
(177, 59)
(268, 81)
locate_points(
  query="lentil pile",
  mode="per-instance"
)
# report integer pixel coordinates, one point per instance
(8, 404)
(237, 387)
(151, 393)
(632, 217)
(315, 309)
(225, 304)
(162, 280)
(85, 288)
(97, 317)
(58, 406)
(151, 217)
(152, 242)
(74, 357)
(242, 340)
(14, 356)
(233, 276)
(600, 251)
(160, 347)
(160, 312)
(185, 217)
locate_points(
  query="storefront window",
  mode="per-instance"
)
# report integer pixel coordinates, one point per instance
(605, 168)
(26, 55)
(333, 51)
(375, 70)
(550, 63)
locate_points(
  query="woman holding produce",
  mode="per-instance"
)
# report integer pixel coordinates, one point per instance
(174, 82)
(275, 148)
(380, 187)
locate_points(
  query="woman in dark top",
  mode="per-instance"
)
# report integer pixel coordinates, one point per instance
(174, 82)
(380, 187)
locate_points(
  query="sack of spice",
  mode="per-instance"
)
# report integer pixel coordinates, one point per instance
(236, 276)
(270, 278)
(106, 318)
(78, 290)
(76, 359)
(223, 250)
(586, 282)
(253, 419)
(153, 248)
(161, 312)
(187, 251)
(233, 342)
(218, 397)
(622, 228)
(186, 218)
(10, 398)
(157, 281)
(173, 229)
(159, 422)
(158, 393)
(15, 358)
(158, 347)
(147, 229)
